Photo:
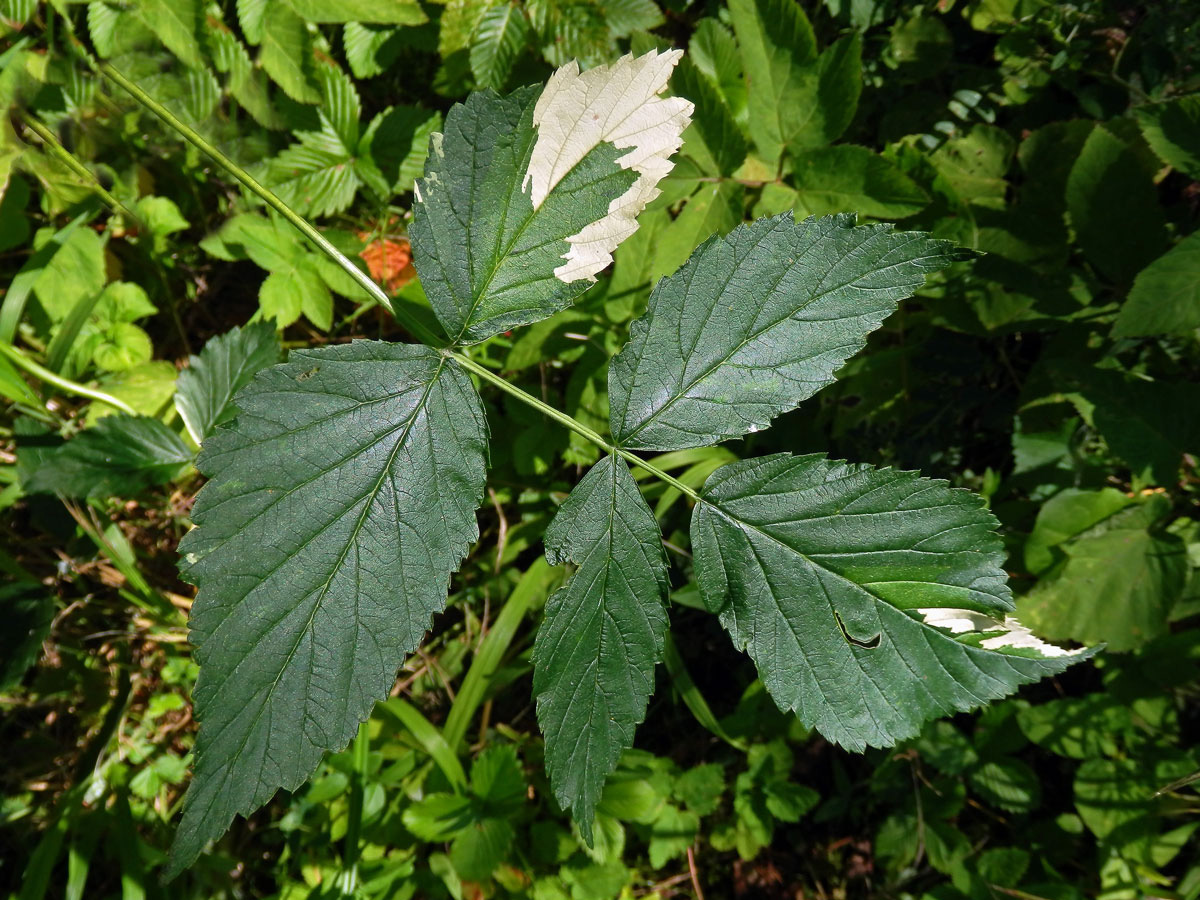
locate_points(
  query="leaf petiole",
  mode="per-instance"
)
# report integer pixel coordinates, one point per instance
(567, 421)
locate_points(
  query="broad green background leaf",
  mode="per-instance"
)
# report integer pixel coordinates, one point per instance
(1065, 515)
(756, 322)
(1116, 583)
(603, 633)
(225, 366)
(1165, 297)
(75, 271)
(342, 497)
(853, 179)
(714, 51)
(393, 149)
(1172, 130)
(119, 455)
(779, 52)
(1116, 799)
(486, 259)
(1114, 208)
(814, 567)
(715, 209)
(1141, 420)
(177, 24)
(286, 294)
(714, 139)
(796, 99)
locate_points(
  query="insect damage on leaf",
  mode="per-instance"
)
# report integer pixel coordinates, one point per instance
(997, 634)
(618, 104)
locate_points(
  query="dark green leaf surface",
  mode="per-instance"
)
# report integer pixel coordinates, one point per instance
(1114, 209)
(602, 636)
(756, 322)
(119, 455)
(225, 366)
(342, 497)
(485, 257)
(28, 611)
(817, 569)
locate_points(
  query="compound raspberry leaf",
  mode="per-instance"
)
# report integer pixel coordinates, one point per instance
(603, 633)
(342, 497)
(871, 600)
(525, 197)
(757, 321)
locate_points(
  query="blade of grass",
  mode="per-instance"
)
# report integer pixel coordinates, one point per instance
(431, 740)
(682, 680)
(64, 339)
(531, 591)
(64, 384)
(347, 881)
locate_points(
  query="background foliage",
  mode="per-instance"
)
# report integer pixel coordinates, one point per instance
(1057, 375)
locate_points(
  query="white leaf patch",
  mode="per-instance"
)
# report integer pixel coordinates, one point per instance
(618, 104)
(1009, 633)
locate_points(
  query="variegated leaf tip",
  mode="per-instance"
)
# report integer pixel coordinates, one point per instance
(1008, 633)
(618, 104)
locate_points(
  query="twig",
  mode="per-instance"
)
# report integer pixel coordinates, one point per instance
(695, 875)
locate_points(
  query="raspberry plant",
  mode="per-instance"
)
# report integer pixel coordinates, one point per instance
(342, 496)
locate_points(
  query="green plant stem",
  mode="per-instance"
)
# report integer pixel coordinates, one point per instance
(567, 422)
(414, 327)
(63, 155)
(43, 374)
(348, 881)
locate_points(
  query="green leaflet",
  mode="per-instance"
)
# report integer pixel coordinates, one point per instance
(817, 568)
(756, 322)
(341, 500)
(119, 455)
(485, 257)
(603, 633)
(499, 38)
(225, 366)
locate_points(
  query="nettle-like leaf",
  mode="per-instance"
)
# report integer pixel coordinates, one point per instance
(758, 321)
(603, 634)
(850, 586)
(526, 196)
(342, 498)
(225, 366)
